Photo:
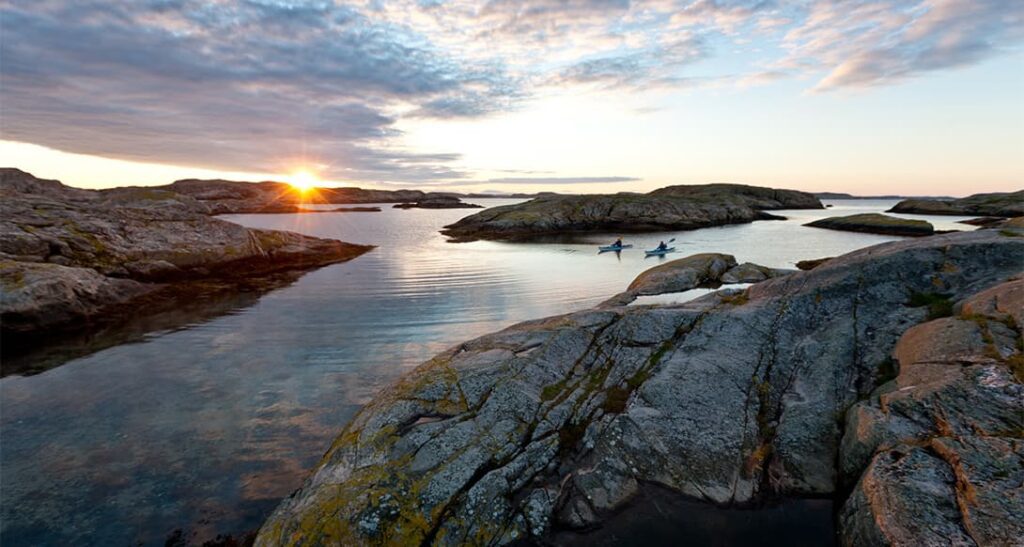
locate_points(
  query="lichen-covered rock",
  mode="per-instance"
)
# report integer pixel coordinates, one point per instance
(553, 423)
(672, 208)
(947, 491)
(942, 443)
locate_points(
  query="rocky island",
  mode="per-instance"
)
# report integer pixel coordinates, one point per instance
(70, 256)
(438, 202)
(876, 223)
(889, 378)
(671, 208)
(228, 196)
(1006, 204)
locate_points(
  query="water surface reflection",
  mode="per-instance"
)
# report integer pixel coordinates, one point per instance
(205, 428)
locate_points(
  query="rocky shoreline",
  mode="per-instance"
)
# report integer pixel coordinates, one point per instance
(888, 377)
(671, 208)
(69, 257)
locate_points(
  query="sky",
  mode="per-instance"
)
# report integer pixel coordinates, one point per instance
(918, 97)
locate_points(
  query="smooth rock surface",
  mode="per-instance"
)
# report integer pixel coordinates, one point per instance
(554, 423)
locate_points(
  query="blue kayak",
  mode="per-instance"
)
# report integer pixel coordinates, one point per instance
(659, 252)
(614, 248)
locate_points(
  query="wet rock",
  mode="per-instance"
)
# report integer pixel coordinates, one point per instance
(722, 399)
(874, 223)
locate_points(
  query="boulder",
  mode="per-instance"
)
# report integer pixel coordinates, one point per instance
(682, 274)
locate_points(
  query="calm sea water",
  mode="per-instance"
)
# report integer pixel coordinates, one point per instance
(203, 429)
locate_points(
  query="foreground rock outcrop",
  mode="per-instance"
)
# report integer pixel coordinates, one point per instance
(67, 255)
(672, 208)
(875, 223)
(1009, 204)
(553, 424)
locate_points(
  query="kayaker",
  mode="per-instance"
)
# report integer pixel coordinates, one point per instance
(662, 246)
(618, 242)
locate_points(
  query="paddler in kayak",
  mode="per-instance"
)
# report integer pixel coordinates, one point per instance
(662, 246)
(618, 242)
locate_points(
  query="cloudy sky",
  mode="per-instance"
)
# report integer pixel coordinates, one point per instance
(915, 97)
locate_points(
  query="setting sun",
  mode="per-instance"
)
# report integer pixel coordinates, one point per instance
(303, 181)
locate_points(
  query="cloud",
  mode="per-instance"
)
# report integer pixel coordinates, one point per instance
(239, 86)
(259, 85)
(649, 67)
(863, 44)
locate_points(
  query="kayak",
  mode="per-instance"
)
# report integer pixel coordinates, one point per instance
(659, 252)
(614, 248)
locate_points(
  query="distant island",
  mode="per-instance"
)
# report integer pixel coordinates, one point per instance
(843, 195)
(998, 204)
(228, 196)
